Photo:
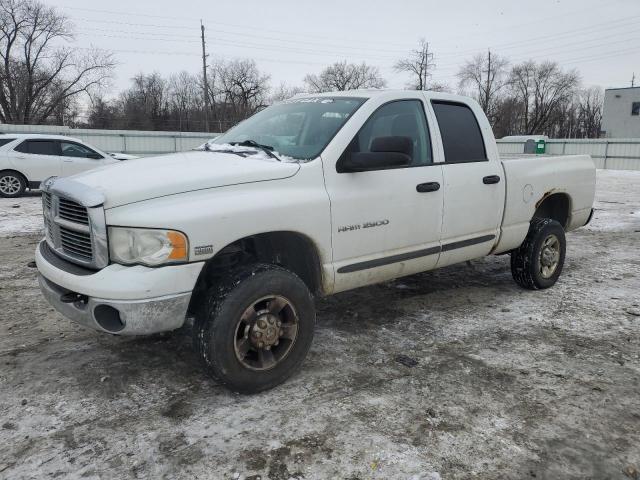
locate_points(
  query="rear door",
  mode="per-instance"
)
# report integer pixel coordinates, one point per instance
(37, 159)
(473, 185)
(77, 158)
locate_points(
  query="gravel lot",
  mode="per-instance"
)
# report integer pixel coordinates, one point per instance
(452, 374)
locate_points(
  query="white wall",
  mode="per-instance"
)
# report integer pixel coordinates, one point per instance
(617, 121)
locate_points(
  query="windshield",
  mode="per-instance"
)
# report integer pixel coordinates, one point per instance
(299, 128)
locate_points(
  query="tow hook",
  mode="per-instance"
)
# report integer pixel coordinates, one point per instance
(73, 297)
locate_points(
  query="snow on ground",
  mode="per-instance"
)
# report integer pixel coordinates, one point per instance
(446, 375)
(21, 216)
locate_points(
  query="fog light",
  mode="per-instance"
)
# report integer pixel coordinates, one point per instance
(108, 318)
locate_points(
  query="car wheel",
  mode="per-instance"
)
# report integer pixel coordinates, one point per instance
(12, 184)
(254, 328)
(538, 262)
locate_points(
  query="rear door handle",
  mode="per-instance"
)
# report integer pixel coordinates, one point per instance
(488, 180)
(428, 187)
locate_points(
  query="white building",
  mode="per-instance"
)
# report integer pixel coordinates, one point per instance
(621, 113)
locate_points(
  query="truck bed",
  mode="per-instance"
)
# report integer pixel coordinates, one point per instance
(532, 178)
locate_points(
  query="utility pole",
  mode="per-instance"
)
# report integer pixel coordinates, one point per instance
(633, 80)
(426, 65)
(204, 78)
(488, 87)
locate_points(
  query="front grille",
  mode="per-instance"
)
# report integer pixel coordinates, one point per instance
(76, 243)
(72, 211)
(74, 232)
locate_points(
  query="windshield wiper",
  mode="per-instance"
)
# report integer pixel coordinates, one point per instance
(268, 149)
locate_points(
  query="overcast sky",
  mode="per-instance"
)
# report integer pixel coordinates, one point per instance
(289, 38)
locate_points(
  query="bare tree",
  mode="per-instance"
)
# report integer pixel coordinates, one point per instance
(419, 65)
(145, 104)
(239, 90)
(486, 76)
(185, 100)
(541, 88)
(284, 92)
(39, 71)
(590, 102)
(345, 76)
(438, 87)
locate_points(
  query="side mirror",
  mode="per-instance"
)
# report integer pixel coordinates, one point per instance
(386, 152)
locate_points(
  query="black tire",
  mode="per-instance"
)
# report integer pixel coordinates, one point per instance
(527, 264)
(219, 322)
(12, 184)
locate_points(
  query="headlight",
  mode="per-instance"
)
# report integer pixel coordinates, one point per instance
(147, 246)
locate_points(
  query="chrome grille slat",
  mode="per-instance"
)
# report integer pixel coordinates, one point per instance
(70, 236)
(72, 211)
(75, 251)
(74, 240)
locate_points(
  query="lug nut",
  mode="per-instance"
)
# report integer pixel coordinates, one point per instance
(262, 324)
(260, 344)
(279, 323)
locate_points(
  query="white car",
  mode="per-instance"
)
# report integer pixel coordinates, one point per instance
(27, 159)
(316, 195)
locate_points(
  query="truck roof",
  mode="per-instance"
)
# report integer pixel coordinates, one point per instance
(388, 92)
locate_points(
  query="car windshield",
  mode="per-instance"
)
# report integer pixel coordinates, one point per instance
(299, 128)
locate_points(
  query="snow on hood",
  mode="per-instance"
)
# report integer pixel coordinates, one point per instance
(152, 177)
(254, 152)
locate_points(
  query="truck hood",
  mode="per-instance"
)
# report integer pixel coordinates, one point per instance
(152, 177)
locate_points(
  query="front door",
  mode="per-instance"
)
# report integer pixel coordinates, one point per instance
(77, 158)
(386, 223)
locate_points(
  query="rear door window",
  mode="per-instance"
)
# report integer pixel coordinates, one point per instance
(39, 147)
(461, 135)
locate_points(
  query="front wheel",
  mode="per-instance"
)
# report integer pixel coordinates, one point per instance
(538, 262)
(12, 184)
(255, 327)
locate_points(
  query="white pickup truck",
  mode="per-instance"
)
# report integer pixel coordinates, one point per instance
(315, 195)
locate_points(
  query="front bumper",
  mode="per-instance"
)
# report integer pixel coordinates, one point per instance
(133, 317)
(121, 300)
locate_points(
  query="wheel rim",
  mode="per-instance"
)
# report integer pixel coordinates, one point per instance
(10, 184)
(266, 333)
(549, 256)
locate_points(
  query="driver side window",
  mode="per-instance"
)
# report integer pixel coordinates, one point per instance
(403, 118)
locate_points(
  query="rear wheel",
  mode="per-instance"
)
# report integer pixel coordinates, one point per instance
(538, 262)
(255, 327)
(12, 184)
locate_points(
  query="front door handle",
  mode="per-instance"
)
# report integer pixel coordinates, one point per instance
(428, 187)
(490, 179)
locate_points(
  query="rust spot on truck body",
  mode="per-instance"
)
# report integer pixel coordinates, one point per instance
(545, 196)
